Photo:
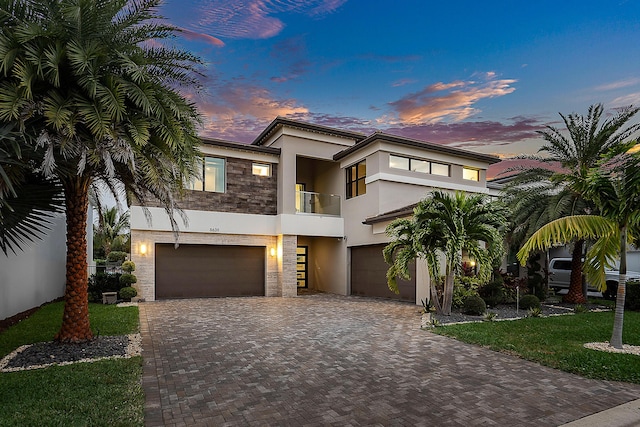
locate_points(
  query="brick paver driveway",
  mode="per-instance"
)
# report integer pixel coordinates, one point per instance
(328, 360)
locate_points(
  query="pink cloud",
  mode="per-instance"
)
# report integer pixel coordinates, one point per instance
(239, 111)
(508, 167)
(455, 104)
(241, 19)
(472, 133)
(192, 35)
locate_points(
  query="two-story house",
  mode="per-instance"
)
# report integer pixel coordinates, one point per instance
(302, 206)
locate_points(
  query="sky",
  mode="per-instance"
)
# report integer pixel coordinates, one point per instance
(479, 75)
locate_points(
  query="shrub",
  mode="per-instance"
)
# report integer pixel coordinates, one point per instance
(529, 301)
(102, 282)
(127, 293)
(492, 293)
(464, 286)
(579, 309)
(474, 305)
(632, 298)
(534, 311)
(128, 266)
(117, 256)
(128, 279)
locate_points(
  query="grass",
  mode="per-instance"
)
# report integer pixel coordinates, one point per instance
(558, 342)
(103, 393)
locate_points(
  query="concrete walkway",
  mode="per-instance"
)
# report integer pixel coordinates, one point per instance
(338, 361)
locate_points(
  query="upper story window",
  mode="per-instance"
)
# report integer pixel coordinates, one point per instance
(471, 174)
(440, 169)
(417, 165)
(212, 178)
(261, 169)
(356, 175)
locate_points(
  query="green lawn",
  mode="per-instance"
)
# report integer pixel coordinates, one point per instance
(103, 393)
(558, 342)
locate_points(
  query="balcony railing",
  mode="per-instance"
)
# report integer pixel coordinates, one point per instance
(316, 203)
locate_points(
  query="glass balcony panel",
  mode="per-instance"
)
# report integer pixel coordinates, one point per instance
(316, 203)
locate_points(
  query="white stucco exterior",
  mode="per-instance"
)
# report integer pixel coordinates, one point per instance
(316, 158)
(36, 275)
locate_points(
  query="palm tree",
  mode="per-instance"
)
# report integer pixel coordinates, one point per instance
(27, 200)
(93, 80)
(112, 227)
(541, 194)
(449, 224)
(615, 188)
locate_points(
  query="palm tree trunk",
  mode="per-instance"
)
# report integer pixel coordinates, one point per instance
(75, 320)
(618, 321)
(447, 299)
(575, 295)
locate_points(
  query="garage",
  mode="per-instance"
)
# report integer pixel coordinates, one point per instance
(369, 275)
(201, 271)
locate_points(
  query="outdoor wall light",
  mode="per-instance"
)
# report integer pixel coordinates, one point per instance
(472, 263)
(143, 249)
(272, 252)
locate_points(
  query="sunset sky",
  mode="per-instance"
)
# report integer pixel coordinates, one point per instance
(482, 75)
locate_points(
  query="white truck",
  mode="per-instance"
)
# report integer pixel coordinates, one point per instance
(560, 274)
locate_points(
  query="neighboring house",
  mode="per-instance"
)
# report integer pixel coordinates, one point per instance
(302, 206)
(37, 275)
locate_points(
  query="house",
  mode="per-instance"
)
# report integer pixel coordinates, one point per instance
(302, 206)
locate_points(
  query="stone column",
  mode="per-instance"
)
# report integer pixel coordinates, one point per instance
(287, 245)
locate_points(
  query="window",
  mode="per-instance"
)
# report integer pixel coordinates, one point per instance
(261, 169)
(212, 177)
(471, 174)
(417, 165)
(356, 175)
(420, 166)
(398, 162)
(439, 169)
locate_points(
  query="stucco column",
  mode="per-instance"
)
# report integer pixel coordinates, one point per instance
(287, 245)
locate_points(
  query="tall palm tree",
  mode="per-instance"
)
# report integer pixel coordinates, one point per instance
(94, 81)
(448, 224)
(615, 188)
(543, 193)
(112, 226)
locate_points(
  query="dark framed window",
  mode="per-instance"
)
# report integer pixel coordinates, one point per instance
(356, 175)
(212, 177)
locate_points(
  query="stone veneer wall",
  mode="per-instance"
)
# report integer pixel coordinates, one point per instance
(280, 277)
(245, 192)
(287, 265)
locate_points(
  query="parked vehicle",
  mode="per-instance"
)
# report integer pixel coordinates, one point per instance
(560, 275)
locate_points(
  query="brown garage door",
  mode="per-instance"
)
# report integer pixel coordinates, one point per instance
(368, 275)
(194, 271)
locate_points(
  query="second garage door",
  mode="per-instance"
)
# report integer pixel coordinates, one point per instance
(196, 271)
(369, 275)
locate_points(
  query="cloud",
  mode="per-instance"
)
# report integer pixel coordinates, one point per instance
(625, 100)
(402, 82)
(472, 133)
(237, 110)
(456, 103)
(192, 35)
(290, 55)
(618, 84)
(241, 19)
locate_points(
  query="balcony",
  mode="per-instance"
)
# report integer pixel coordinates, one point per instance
(319, 204)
